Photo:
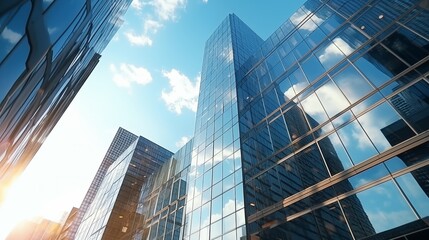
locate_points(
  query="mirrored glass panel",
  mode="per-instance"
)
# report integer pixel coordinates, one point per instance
(352, 84)
(356, 142)
(385, 127)
(376, 210)
(332, 98)
(413, 105)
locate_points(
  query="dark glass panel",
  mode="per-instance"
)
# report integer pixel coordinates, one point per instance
(413, 105)
(407, 45)
(335, 156)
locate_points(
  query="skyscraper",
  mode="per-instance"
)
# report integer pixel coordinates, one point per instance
(318, 132)
(48, 50)
(113, 208)
(122, 140)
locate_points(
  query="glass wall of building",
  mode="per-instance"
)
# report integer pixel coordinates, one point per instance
(113, 210)
(334, 114)
(161, 208)
(48, 49)
(214, 205)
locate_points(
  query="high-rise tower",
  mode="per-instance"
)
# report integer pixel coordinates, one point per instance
(122, 140)
(48, 50)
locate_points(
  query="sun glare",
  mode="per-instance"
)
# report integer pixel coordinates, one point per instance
(17, 206)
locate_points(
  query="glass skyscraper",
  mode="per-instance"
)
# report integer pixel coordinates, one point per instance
(113, 208)
(318, 132)
(122, 140)
(47, 51)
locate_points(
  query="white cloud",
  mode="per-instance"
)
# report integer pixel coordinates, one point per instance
(151, 25)
(166, 9)
(332, 99)
(343, 46)
(183, 140)
(183, 93)
(137, 4)
(309, 25)
(139, 40)
(127, 74)
(334, 52)
(205, 1)
(10, 35)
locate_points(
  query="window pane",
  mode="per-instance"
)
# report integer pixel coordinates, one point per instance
(335, 156)
(312, 68)
(353, 85)
(384, 127)
(332, 98)
(415, 188)
(279, 133)
(413, 105)
(407, 45)
(329, 54)
(315, 113)
(298, 80)
(376, 210)
(356, 142)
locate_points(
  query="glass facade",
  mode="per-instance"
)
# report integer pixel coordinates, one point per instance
(328, 137)
(48, 49)
(122, 140)
(318, 132)
(214, 203)
(113, 209)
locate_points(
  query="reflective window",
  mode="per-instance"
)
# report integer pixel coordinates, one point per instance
(312, 67)
(295, 122)
(379, 65)
(13, 67)
(216, 210)
(331, 223)
(271, 102)
(298, 81)
(332, 99)
(368, 176)
(289, 60)
(415, 188)
(284, 90)
(205, 215)
(315, 113)
(376, 210)
(14, 30)
(387, 132)
(332, 23)
(315, 38)
(407, 45)
(228, 202)
(216, 229)
(57, 20)
(413, 105)
(329, 54)
(229, 224)
(353, 85)
(279, 133)
(362, 106)
(356, 142)
(301, 50)
(335, 156)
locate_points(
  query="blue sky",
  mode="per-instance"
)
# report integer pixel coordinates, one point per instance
(147, 82)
